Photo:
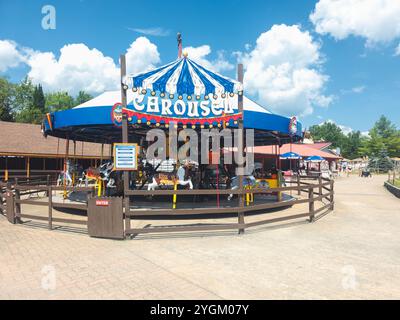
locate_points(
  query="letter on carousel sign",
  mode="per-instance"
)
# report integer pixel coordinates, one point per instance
(216, 109)
(152, 105)
(205, 108)
(165, 107)
(136, 102)
(193, 110)
(179, 107)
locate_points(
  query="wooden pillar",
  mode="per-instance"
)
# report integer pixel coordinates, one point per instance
(28, 167)
(125, 139)
(331, 198)
(17, 205)
(320, 185)
(6, 171)
(241, 150)
(311, 203)
(50, 192)
(298, 184)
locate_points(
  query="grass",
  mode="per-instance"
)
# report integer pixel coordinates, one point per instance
(397, 183)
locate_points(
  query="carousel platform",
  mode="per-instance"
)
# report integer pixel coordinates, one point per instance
(139, 203)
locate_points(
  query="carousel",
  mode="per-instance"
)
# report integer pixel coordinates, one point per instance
(170, 99)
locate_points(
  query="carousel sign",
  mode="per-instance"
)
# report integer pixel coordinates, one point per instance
(125, 156)
(206, 109)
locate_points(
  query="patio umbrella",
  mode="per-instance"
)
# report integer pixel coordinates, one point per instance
(315, 159)
(290, 156)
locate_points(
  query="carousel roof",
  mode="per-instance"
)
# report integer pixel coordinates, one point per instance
(109, 98)
(184, 77)
(183, 93)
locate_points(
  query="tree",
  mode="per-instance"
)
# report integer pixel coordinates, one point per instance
(6, 100)
(381, 162)
(384, 127)
(30, 102)
(82, 97)
(384, 137)
(351, 145)
(39, 101)
(60, 100)
(328, 131)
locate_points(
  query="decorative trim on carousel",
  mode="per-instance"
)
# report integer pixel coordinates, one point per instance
(138, 117)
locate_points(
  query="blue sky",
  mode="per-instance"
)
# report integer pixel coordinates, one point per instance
(354, 71)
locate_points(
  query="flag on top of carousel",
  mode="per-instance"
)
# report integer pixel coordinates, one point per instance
(184, 77)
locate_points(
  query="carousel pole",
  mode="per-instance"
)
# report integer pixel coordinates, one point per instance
(65, 168)
(125, 139)
(241, 150)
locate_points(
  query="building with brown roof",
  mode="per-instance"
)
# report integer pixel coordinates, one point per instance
(25, 152)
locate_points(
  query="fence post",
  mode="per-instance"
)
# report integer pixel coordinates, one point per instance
(47, 184)
(298, 185)
(331, 199)
(50, 194)
(10, 205)
(320, 185)
(17, 204)
(311, 203)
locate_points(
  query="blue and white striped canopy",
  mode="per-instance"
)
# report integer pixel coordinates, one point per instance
(184, 77)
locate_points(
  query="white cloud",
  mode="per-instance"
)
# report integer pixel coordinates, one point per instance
(142, 55)
(359, 89)
(9, 55)
(156, 31)
(397, 53)
(81, 68)
(375, 20)
(356, 90)
(199, 55)
(282, 71)
(77, 68)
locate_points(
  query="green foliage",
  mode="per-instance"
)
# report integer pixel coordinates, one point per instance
(7, 90)
(82, 97)
(57, 101)
(328, 131)
(25, 102)
(383, 137)
(381, 162)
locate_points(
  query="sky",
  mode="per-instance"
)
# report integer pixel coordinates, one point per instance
(321, 60)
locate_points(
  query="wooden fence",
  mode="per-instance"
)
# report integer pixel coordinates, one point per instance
(315, 190)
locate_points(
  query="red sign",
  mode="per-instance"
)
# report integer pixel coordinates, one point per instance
(102, 203)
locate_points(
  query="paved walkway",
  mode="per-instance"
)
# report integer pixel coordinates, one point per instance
(353, 252)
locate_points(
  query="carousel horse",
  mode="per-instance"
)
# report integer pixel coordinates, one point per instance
(102, 175)
(249, 182)
(71, 170)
